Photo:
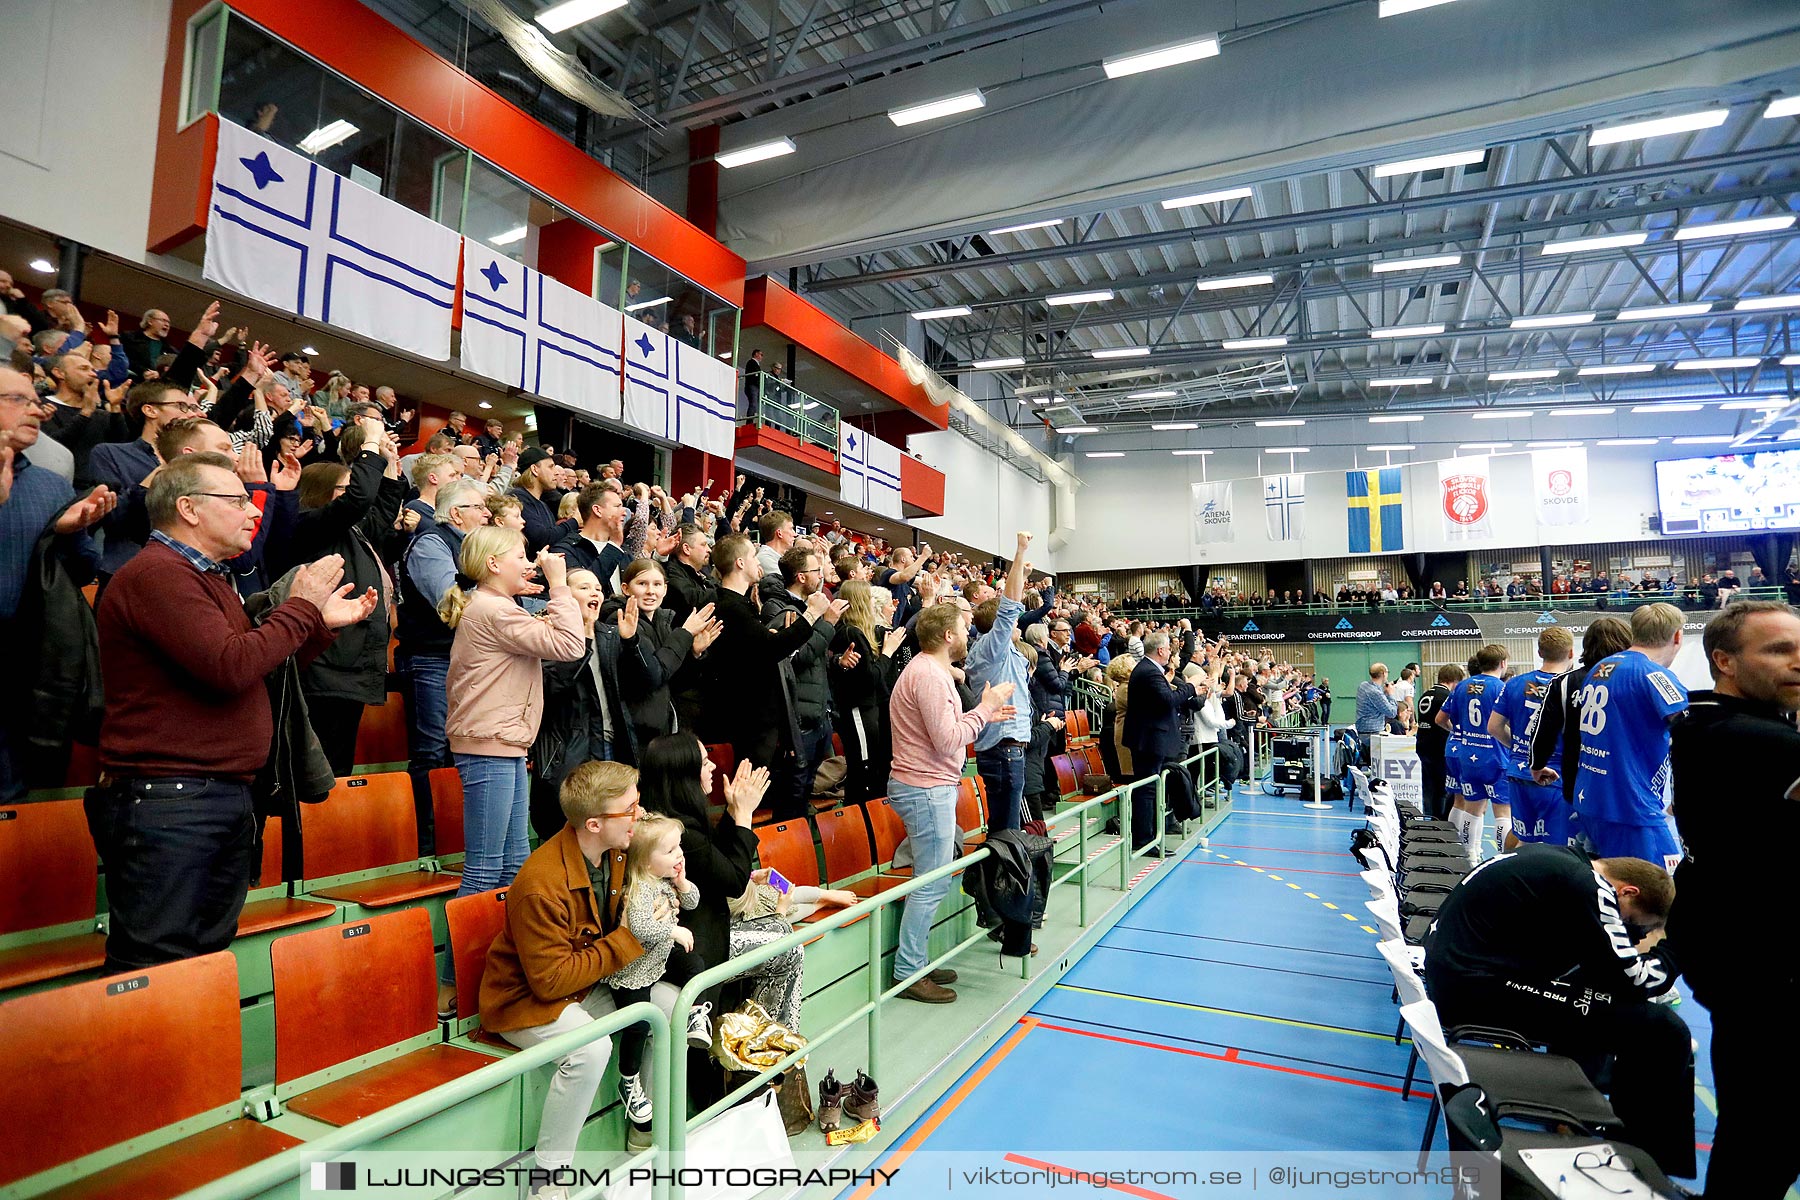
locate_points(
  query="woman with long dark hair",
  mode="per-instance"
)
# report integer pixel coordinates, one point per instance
(669, 648)
(859, 687)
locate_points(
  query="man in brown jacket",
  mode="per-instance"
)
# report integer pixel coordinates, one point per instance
(563, 935)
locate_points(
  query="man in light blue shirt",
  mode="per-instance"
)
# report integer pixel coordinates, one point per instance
(994, 660)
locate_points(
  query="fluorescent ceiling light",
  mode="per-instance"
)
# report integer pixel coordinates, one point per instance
(1664, 312)
(1608, 241)
(1485, 446)
(1534, 373)
(1553, 445)
(1401, 331)
(1627, 441)
(1783, 106)
(1078, 429)
(1167, 56)
(483, 404)
(1412, 166)
(309, 351)
(1277, 389)
(1218, 197)
(934, 314)
(1759, 405)
(1231, 281)
(327, 136)
(1423, 263)
(745, 155)
(1286, 450)
(1710, 118)
(1189, 453)
(1104, 454)
(1504, 414)
(1175, 426)
(570, 13)
(1399, 446)
(1619, 369)
(1666, 408)
(515, 234)
(1281, 423)
(1790, 360)
(1395, 8)
(1028, 225)
(1602, 411)
(1718, 364)
(1553, 321)
(1156, 395)
(42, 265)
(1254, 343)
(1121, 352)
(1403, 381)
(642, 304)
(931, 110)
(1764, 303)
(1093, 297)
(1396, 418)
(1712, 229)
(984, 364)
(1702, 440)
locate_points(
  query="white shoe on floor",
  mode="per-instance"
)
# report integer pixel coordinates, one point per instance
(699, 1026)
(635, 1099)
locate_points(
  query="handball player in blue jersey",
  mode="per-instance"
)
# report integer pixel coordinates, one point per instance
(1539, 812)
(1476, 760)
(1622, 778)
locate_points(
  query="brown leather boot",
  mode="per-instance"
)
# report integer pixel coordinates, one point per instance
(831, 1102)
(927, 992)
(864, 1101)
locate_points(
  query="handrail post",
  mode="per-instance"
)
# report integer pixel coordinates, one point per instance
(1081, 876)
(875, 988)
(1127, 801)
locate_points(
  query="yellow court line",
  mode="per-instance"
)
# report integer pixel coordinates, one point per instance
(1706, 1098)
(1227, 1012)
(1326, 903)
(1347, 916)
(1312, 895)
(1366, 929)
(1277, 878)
(1295, 886)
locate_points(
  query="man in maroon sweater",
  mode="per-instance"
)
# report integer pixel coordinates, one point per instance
(188, 722)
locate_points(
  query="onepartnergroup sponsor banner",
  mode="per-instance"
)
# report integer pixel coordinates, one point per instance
(1390, 625)
(1307, 1175)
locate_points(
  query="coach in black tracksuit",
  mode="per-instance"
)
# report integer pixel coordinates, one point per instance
(1543, 941)
(1431, 740)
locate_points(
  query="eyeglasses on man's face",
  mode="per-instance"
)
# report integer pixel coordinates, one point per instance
(236, 499)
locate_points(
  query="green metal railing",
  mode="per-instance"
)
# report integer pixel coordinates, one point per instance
(292, 1164)
(778, 404)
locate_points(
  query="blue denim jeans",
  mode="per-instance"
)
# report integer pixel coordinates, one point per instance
(496, 820)
(929, 814)
(1002, 768)
(427, 708)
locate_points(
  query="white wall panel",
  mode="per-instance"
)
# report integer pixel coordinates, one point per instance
(986, 502)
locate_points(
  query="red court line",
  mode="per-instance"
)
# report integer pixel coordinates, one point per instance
(1201, 862)
(1231, 1056)
(1280, 850)
(904, 1150)
(1126, 1188)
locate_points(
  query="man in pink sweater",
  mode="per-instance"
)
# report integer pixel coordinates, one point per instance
(930, 735)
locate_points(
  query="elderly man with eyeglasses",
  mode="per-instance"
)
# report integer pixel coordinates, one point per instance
(33, 502)
(189, 724)
(128, 467)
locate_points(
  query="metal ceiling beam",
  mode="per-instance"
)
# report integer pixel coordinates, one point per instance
(1501, 194)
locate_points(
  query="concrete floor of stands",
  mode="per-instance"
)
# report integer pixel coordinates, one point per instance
(1241, 1005)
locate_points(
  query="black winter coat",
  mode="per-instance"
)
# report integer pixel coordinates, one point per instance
(571, 723)
(58, 659)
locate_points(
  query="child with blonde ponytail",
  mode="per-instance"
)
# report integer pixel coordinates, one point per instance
(496, 696)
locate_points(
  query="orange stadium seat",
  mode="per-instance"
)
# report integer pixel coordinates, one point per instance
(352, 991)
(366, 824)
(971, 810)
(381, 738)
(1068, 780)
(277, 911)
(844, 838)
(474, 922)
(788, 847)
(118, 1060)
(48, 872)
(887, 829)
(447, 813)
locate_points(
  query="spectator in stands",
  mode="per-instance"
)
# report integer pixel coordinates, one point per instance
(148, 342)
(1432, 742)
(743, 690)
(1375, 704)
(860, 681)
(1623, 765)
(775, 532)
(277, 498)
(930, 732)
(993, 660)
(348, 511)
(597, 544)
(1403, 694)
(897, 577)
(564, 933)
(1753, 652)
(535, 479)
(1564, 952)
(426, 576)
(174, 821)
(669, 649)
(496, 693)
(1157, 698)
(127, 467)
(430, 472)
(806, 707)
(691, 584)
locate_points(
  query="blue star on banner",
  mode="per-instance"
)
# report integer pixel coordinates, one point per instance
(853, 441)
(644, 344)
(261, 170)
(494, 275)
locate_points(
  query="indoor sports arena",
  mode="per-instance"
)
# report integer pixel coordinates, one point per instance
(832, 599)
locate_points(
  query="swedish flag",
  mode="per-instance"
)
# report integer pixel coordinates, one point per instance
(1374, 510)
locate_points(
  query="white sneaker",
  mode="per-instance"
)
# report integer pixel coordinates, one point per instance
(699, 1031)
(635, 1099)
